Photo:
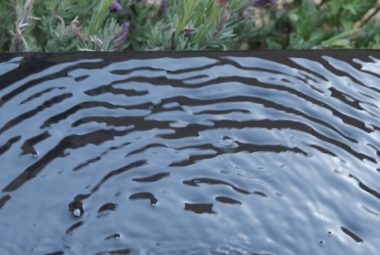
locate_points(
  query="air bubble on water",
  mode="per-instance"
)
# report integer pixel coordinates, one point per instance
(322, 243)
(77, 212)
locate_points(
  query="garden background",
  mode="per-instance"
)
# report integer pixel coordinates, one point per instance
(125, 25)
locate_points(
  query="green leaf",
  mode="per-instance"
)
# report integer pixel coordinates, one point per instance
(305, 19)
(210, 18)
(350, 8)
(98, 17)
(341, 43)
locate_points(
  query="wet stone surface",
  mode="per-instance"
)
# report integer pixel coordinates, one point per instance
(190, 153)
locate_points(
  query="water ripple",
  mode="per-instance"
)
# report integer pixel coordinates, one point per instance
(190, 153)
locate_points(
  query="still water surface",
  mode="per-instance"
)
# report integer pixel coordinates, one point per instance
(190, 153)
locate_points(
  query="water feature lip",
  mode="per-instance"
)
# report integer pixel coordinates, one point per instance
(343, 54)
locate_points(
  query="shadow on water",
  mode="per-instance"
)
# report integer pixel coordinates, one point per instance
(190, 153)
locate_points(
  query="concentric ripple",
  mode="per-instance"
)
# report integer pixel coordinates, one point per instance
(190, 153)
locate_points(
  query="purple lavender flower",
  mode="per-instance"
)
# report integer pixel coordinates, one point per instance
(121, 36)
(115, 6)
(163, 7)
(265, 2)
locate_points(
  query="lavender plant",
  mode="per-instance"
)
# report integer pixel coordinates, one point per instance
(122, 25)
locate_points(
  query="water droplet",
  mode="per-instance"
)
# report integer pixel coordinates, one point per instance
(322, 243)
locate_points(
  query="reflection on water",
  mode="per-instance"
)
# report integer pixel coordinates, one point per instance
(190, 153)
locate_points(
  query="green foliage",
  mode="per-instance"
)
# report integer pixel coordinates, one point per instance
(72, 25)
(6, 25)
(98, 18)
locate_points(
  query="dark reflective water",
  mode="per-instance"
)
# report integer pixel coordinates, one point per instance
(190, 153)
